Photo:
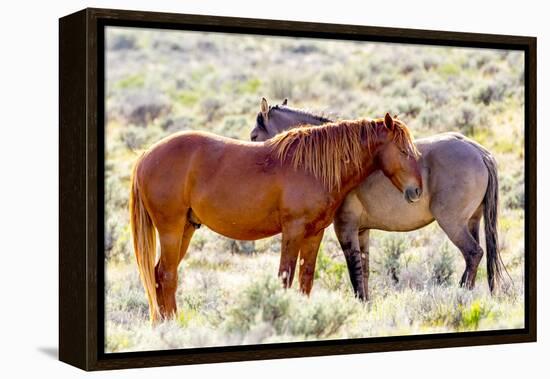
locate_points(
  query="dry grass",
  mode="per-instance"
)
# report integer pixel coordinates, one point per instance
(162, 82)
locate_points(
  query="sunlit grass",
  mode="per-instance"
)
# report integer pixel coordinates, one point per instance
(230, 296)
(226, 298)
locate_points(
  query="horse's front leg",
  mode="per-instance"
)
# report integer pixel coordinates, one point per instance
(293, 236)
(308, 258)
(365, 259)
(346, 226)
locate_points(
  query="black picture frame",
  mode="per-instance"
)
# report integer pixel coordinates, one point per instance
(81, 122)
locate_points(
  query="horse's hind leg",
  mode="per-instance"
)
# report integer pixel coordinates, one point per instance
(468, 278)
(188, 232)
(308, 258)
(461, 235)
(473, 224)
(166, 271)
(293, 236)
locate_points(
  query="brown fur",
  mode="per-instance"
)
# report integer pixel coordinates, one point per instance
(327, 151)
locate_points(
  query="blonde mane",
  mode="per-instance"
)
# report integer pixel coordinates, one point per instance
(327, 151)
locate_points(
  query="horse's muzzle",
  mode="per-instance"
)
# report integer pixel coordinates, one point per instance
(412, 194)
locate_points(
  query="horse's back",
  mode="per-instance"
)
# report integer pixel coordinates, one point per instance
(172, 156)
(454, 180)
(197, 148)
(452, 158)
(458, 176)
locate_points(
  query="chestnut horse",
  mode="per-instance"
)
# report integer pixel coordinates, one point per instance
(292, 184)
(460, 186)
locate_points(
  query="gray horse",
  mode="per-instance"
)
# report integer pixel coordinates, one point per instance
(460, 186)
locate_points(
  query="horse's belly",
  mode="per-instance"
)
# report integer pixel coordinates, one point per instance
(244, 231)
(385, 207)
(244, 222)
(396, 219)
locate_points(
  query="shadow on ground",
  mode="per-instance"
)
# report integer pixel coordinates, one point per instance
(50, 351)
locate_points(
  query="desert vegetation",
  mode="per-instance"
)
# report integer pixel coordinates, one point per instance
(161, 82)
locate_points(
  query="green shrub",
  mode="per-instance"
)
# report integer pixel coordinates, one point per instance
(434, 93)
(237, 127)
(321, 316)
(331, 273)
(252, 85)
(490, 92)
(132, 81)
(178, 124)
(142, 106)
(397, 90)
(443, 266)
(393, 248)
(287, 312)
(121, 41)
(433, 119)
(187, 98)
(339, 78)
(409, 107)
(119, 341)
(472, 315)
(430, 62)
(241, 247)
(512, 189)
(264, 300)
(137, 138)
(281, 87)
(409, 66)
(448, 69)
(467, 118)
(128, 300)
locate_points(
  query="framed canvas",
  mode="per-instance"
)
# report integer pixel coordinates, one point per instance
(242, 189)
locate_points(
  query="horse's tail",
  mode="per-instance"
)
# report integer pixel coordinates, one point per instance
(495, 266)
(144, 236)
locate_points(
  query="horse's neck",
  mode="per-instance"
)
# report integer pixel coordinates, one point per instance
(312, 120)
(351, 178)
(302, 119)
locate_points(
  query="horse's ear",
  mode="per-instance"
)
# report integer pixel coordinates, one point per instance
(264, 107)
(285, 101)
(388, 121)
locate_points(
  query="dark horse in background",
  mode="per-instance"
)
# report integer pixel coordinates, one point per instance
(460, 186)
(292, 184)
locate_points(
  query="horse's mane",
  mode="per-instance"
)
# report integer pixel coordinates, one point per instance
(304, 112)
(327, 150)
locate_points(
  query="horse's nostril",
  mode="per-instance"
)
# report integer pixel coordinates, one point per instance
(254, 137)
